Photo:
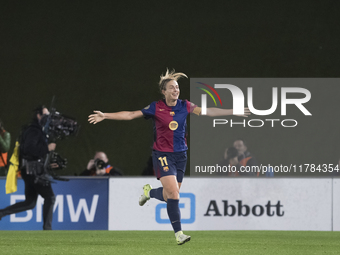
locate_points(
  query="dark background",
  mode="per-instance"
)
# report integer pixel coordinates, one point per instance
(108, 55)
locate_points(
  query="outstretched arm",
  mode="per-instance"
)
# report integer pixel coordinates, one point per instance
(213, 112)
(98, 116)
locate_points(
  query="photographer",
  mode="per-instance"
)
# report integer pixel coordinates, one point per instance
(232, 158)
(5, 141)
(34, 149)
(99, 166)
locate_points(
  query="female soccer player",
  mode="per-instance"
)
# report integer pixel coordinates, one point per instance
(169, 148)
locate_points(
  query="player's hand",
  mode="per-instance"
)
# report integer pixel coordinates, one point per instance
(246, 113)
(97, 117)
(54, 165)
(52, 146)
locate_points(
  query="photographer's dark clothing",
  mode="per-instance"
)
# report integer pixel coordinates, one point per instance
(32, 190)
(34, 149)
(110, 171)
(243, 160)
(33, 145)
(87, 172)
(247, 159)
(113, 171)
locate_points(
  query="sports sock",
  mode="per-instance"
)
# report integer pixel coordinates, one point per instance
(157, 193)
(174, 214)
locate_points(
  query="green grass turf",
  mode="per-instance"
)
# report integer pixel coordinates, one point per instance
(163, 242)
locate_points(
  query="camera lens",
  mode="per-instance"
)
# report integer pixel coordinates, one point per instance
(100, 164)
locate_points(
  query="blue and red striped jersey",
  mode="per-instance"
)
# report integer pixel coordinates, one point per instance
(169, 124)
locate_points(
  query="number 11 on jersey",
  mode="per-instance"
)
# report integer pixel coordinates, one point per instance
(163, 161)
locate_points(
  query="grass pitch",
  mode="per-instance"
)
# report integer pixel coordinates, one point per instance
(163, 242)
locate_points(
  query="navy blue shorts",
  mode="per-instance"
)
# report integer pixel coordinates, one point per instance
(169, 163)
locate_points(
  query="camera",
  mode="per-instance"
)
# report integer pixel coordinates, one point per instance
(232, 153)
(99, 164)
(55, 158)
(60, 126)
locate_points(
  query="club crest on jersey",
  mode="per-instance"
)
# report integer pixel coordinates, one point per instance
(173, 125)
(172, 113)
(165, 168)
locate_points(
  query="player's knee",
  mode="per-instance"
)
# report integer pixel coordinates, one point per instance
(173, 194)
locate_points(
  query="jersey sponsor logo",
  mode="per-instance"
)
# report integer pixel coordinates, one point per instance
(165, 168)
(172, 113)
(161, 110)
(173, 125)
